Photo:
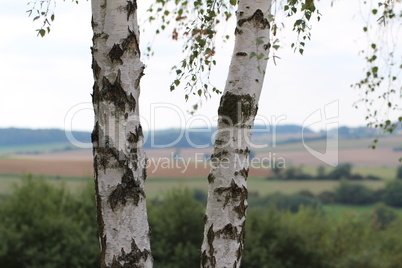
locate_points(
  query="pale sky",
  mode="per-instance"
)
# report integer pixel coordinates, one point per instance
(42, 79)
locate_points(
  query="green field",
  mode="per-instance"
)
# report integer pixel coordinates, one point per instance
(386, 173)
(157, 186)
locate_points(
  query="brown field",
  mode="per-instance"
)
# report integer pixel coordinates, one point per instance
(79, 163)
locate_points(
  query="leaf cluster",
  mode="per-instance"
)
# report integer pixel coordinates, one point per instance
(381, 85)
(43, 10)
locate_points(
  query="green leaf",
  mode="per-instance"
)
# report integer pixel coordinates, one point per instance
(259, 41)
(42, 32)
(177, 82)
(199, 92)
(233, 2)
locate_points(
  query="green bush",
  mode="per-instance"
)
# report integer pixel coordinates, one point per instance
(177, 230)
(327, 197)
(354, 194)
(399, 173)
(285, 202)
(392, 194)
(382, 216)
(310, 239)
(46, 227)
(341, 171)
(284, 240)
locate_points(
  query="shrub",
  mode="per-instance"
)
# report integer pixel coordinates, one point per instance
(326, 197)
(382, 216)
(286, 202)
(354, 194)
(392, 194)
(177, 227)
(46, 227)
(284, 240)
(341, 171)
(399, 173)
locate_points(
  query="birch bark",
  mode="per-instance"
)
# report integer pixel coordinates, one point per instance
(227, 195)
(119, 159)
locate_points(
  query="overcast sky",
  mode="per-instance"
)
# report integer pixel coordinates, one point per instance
(43, 80)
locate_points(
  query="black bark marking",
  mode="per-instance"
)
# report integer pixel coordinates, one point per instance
(258, 19)
(243, 172)
(131, 8)
(95, 94)
(205, 218)
(115, 53)
(115, 94)
(241, 151)
(144, 171)
(220, 154)
(95, 68)
(129, 189)
(242, 207)
(233, 192)
(241, 54)
(208, 257)
(95, 134)
(99, 217)
(228, 232)
(241, 241)
(219, 142)
(93, 23)
(211, 178)
(134, 258)
(235, 109)
(238, 31)
(131, 42)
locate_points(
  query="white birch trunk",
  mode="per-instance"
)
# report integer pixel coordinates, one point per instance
(227, 196)
(119, 159)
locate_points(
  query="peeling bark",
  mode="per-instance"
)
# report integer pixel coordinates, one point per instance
(227, 195)
(119, 158)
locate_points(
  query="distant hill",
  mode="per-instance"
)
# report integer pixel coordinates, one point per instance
(19, 137)
(25, 136)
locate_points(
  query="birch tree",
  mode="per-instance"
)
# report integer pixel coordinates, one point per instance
(117, 137)
(227, 195)
(119, 159)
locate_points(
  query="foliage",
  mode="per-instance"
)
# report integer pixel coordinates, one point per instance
(43, 10)
(177, 226)
(197, 24)
(392, 194)
(283, 240)
(44, 226)
(381, 83)
(354, 194)
(399, 173)
(292, 203)
(342, 171)
(382, 216)
(315, 240)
